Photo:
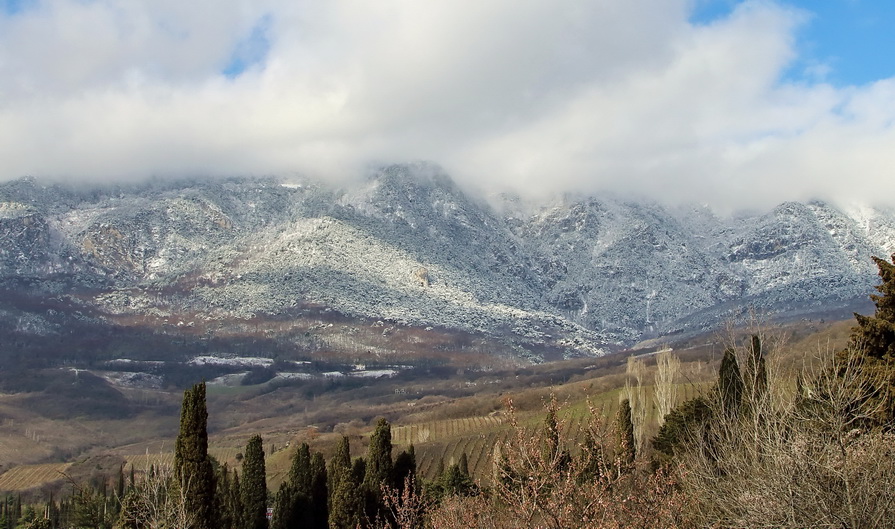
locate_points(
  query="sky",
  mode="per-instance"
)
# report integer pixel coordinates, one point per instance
(733, 103)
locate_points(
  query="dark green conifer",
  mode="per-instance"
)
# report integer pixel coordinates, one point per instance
(455, 481)
(346, 504)
(319, 492)
(119, 489)
(873, 345)
(339, 465)
(254, 485)
(684, 424)
(624, 429)
(379, 469)
(379, 466)
(234, 502)
(874, 335)
(730, 383)
(755, 377)
(293, 500)
(192, 466)
(229, 501)
(405, 466)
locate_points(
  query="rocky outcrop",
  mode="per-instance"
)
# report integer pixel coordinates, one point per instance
(24, 240)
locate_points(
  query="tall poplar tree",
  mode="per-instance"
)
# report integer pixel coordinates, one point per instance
(254, 485)
(192, 466)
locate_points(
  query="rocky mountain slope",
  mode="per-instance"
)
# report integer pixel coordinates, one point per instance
(409, 248)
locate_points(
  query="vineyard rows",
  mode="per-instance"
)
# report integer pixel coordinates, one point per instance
(28, 476)
(143, 461)
(437, 431)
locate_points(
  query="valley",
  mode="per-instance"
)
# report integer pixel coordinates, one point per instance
(312, 310)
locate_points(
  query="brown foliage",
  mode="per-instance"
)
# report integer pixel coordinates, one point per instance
(550, 483)
(803, 460)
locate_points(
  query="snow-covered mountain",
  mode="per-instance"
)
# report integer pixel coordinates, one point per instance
(408, 246)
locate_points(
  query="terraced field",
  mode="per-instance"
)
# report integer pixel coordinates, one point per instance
(434, 431)
(27, 476)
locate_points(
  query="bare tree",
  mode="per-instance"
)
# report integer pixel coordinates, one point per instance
(668, 368)
(406, 507)
(636, 395)
(798, 459)
(157, 501)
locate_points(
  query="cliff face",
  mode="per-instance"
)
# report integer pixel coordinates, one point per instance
(24, 241)
(409, 246)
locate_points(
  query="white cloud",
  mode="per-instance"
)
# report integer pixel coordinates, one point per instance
(541, 96)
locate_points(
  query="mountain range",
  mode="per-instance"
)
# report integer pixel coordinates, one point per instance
(407, 248)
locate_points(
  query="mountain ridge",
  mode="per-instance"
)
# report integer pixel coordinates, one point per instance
(580, 275)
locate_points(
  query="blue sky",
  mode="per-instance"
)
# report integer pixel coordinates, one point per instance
(844, 42)
(734, 103)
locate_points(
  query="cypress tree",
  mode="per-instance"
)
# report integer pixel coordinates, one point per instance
(229, 499)
(624, 429)
(345, 488)
(684, 424)
(119, 489)
(222, 493)
(873, 340)
(192, 466)
(405, 466)
(300, 472)
(756, 374)
(379, 457)
(379, 469)
(455, 481)
(254, 485)
(358, 472)
(234, 502)
(874, 335)
(285, 514)
(339, 465)
(293, 501)
(319, 492)
(730, 383)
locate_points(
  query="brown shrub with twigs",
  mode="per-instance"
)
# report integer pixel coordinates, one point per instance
(545, 480)
(808, 459)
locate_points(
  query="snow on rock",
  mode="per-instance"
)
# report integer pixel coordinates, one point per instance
(577, 275)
